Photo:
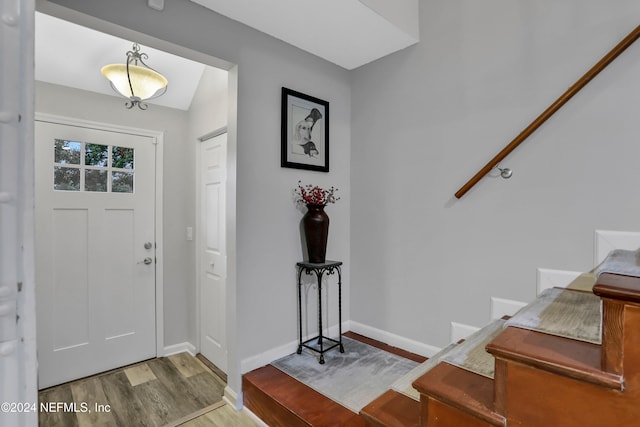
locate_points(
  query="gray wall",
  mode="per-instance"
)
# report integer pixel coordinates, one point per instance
(267, 223)
(426, 119)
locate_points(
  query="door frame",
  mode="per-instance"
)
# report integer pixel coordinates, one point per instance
(159, 138)
(198, 239)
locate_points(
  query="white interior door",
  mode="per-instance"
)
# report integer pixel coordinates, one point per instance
(212, 250)
(95, 250)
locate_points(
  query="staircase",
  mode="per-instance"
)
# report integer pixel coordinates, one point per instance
(538, 378)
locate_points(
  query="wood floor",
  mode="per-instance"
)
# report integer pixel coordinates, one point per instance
(281, 401)
(222, 416)
(182, 390)
(157, 392)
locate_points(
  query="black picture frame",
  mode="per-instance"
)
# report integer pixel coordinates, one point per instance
(305, 132)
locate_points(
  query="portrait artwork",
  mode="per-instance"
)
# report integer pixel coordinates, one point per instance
(305, 132)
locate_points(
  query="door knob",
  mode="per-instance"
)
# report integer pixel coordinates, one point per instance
(148, 245)
(146, 261)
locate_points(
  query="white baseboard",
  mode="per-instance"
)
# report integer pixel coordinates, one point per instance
(232, 398)
(254, 417)
(547, 278)
(394, 340)
(264, 358)
(460, 331)
(179, 348)
(504, 307)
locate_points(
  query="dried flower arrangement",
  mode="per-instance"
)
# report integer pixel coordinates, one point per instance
(314, 195)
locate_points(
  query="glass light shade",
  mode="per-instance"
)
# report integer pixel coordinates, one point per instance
(146, 82)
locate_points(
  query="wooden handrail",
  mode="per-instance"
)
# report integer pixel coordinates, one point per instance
(582, 82)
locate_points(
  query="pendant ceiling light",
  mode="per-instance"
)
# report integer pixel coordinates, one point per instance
(135, 80)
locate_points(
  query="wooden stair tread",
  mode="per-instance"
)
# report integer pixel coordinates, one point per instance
(282, 401)
(571, 358)
(392, 409)
(463, 390)
(618, 287)
(386, 347)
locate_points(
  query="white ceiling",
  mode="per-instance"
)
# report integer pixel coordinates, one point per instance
(71, 55)
(349, 33)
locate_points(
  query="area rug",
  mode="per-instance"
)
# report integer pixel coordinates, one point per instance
(565, 313)
(620, 261)
(404, 384)
(471, 354)
(353, 378)
(583, 282)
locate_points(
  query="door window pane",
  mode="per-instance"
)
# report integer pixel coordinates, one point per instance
(95, 180)
(122, 157)
(96, 155)
(67, 152)
(67, 179)
(122, 182)
(104, 168)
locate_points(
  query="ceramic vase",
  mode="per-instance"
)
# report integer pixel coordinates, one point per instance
(315, 224)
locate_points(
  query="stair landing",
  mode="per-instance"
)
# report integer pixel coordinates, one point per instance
(281, 401)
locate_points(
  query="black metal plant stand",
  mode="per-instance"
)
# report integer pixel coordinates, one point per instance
(328, 268)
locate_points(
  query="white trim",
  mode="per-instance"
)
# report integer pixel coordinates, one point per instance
(179, 348)
(393, 339)
(159, 137)
(460, 331)
(547, 278)
(266, 357)
(213, 134)
(92, 124)
(159, 212)
(504, 307)
(608, 240)
(254, 417)
(19, 369)
(232, 398)
(196, 241)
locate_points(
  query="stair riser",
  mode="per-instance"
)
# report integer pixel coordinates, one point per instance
(539, 398)
(438, 414)
(391, 409)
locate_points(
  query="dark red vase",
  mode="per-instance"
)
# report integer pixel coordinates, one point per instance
(315, 224)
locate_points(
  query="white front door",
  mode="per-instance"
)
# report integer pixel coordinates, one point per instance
(212, 250)
(95, 250)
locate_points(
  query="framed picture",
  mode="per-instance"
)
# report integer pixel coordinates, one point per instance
(305, 132)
